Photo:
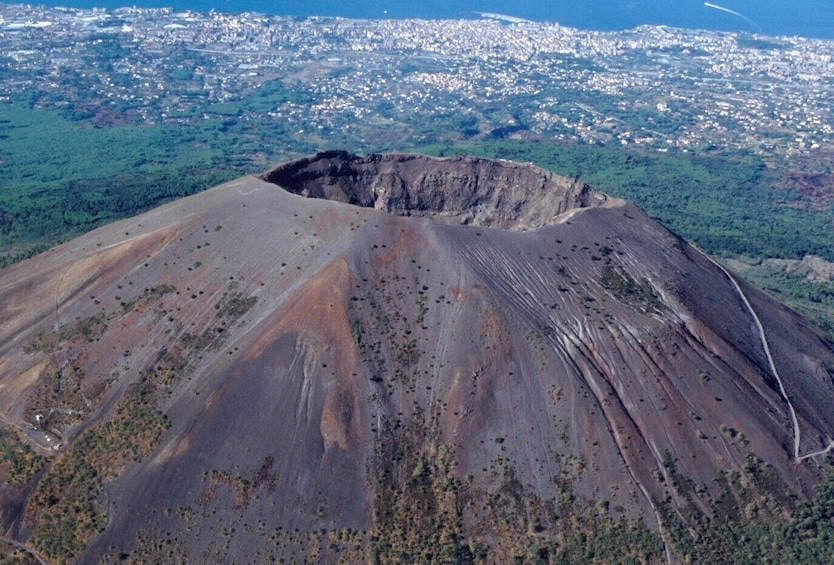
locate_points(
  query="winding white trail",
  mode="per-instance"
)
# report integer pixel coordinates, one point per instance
(796, 433)
(820, 452)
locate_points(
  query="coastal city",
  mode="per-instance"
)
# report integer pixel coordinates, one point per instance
(378, 84)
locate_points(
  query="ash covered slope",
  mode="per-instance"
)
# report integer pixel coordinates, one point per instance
(338, 379)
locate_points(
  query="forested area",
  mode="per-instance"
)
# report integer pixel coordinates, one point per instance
(61, 175)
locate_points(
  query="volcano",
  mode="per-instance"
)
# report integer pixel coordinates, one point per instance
(397, 358)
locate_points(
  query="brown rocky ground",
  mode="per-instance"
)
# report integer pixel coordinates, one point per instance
(816, 189)
(422, 356)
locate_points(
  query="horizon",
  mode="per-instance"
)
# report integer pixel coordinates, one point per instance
(768, 17)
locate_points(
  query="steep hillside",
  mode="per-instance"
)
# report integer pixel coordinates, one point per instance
(398, 358)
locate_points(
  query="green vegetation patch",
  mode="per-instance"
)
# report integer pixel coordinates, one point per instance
(58, 398)
(88, 329)
(814, 298)
(66, 500)
(754, 518)
(234, 306)
(148, 296)
(12, 555)
(18, 462)
(424, 513)
(639, 295)
(62, 177)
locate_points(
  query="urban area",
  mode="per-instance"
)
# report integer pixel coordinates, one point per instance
(376, 84)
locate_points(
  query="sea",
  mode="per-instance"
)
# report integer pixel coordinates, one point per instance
(806, 18)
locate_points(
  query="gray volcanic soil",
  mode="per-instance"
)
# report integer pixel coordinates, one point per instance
(524, 328)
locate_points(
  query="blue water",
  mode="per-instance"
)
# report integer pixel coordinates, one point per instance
(809, 18)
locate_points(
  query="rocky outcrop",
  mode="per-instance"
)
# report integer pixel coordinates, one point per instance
(457, 190)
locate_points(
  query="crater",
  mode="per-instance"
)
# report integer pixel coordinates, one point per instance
(453, 190)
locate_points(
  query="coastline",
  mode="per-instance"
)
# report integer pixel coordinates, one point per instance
(814, 20)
